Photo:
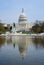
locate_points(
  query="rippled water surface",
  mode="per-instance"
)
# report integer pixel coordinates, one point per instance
(21, 50)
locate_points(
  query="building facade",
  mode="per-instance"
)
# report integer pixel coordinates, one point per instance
(23, 22)
(22, 25)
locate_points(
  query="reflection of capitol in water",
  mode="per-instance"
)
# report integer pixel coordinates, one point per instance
(22, 42)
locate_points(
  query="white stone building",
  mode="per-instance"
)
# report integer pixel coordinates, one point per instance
(23, 22)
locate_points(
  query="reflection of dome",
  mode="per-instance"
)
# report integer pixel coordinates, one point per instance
(22, 16)
(22, 52)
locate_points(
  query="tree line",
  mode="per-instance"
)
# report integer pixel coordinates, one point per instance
(38, 27)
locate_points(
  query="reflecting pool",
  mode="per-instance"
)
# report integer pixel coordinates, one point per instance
(21, 50)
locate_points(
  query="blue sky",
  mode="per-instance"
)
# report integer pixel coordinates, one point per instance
(11, 9)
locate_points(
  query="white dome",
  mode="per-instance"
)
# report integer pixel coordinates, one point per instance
(22, 16)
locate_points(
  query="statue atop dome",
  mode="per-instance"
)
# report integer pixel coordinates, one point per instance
(22, 10)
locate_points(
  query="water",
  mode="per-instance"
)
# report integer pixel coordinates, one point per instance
(21, 50)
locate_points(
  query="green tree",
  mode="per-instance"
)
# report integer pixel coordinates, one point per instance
(2, 29)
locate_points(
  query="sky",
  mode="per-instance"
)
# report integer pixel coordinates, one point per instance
(11, 9)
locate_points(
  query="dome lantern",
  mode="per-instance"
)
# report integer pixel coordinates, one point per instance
(22, 10)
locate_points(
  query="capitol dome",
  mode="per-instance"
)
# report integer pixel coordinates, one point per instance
(22, 16)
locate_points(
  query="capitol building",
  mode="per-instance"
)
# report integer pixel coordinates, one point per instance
(23, 24)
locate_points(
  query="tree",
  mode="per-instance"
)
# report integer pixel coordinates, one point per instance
(42, 26)
(37, 27)
(2, 29)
